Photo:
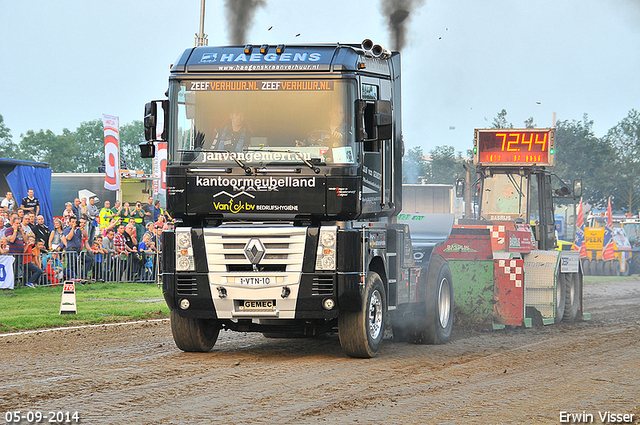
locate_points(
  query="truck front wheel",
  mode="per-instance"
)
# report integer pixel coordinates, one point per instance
(194, 335)
(361, 332)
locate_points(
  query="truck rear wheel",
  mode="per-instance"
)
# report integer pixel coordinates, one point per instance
(436, 325)
(572, 297)
(194, 335)
(361, 332)
(561, 294)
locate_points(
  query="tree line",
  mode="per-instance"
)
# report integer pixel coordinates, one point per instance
(78, 151)
(609, 166)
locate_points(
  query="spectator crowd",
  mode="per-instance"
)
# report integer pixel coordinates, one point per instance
(119, 243)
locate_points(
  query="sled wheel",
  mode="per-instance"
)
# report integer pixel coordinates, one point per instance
(561, 292)
(572, 298)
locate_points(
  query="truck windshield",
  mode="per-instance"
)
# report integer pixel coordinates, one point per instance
(262, 122)
(503, 197)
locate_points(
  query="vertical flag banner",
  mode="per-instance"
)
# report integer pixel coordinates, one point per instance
(607, 243)
(160, 169)
(579, 243)
(111, 152)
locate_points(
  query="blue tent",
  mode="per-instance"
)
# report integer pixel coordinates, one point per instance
(30, 175)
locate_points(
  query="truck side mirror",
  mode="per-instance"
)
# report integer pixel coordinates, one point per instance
(577, 188)
(374, 120)
(147, 149)
(150, 121)
(460, 187)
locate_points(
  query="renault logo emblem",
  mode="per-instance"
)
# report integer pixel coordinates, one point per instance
(254, 251)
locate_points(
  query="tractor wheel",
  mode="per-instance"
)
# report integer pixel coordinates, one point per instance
(592, 267)
(608, 268)
(198, 335)
(361, 332)
(572, 298)
(585, 266)
(561, 293)
(600, 268)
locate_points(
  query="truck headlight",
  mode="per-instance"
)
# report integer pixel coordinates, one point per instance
(326, 254)
(184, 250)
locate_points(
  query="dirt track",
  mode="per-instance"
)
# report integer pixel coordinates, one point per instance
(134, 374)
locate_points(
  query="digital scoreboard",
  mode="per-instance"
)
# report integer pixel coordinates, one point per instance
(509, 146)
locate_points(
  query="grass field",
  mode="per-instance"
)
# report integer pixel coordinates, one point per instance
(28, 308)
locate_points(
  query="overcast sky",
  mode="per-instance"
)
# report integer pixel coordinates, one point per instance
(64, 62)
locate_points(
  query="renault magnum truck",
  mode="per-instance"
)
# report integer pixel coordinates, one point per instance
(284, 175)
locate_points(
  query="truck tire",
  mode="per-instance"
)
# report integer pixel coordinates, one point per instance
(592, 267)
(600, 268)
(361, 332)
(572, 298)
(194, 335)
(436, 324)
(615, 268)
(585, 266)
(561, 294)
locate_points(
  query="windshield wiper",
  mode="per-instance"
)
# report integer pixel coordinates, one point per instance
(302, 158)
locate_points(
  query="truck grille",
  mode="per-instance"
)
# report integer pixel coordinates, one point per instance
(283, 251)
(186, 285)
(322, 285)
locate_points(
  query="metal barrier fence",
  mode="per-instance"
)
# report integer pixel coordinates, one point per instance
(84, 265)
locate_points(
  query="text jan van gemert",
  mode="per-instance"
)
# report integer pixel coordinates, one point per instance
(603, 417)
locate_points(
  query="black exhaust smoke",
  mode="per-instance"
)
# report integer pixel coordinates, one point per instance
(240, 15)
(398, 14)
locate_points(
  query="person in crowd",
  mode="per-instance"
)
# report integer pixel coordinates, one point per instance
(159, 238)
(26, 228)
(4, 245)
(157, 210)
(120, 243)
(137, 219)
(15, 237)
(55, 237)
(117, 208)
(161, 221)
(41, 231)
(105, 215)
(113, 224)
(53, 269)
(108, 244)
(72, 240)
(67, 213)
(82, 225)
(30, 203)
(98, 253)
(76, 208)
(4, 220)
(8, 203)
(32, 261)
(147, 248)
(132, 250)
(82, 208)
(148, 210)
(92, 212)
(20, 213)
(125, 213)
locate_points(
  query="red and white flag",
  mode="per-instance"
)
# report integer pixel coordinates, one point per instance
(111, 152)
(607, 244)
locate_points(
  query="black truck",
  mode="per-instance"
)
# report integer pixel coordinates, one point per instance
(284, 175)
